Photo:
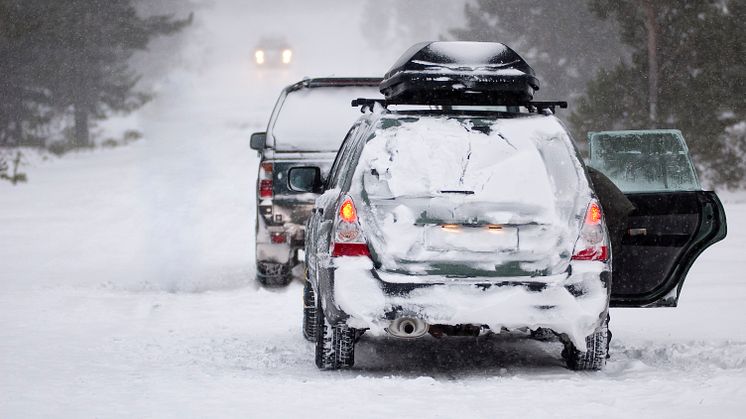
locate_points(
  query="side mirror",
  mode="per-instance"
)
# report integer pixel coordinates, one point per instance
(258, 140)
(305, 179)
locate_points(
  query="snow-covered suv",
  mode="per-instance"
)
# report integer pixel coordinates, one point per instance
(468, 220)
(450, 223)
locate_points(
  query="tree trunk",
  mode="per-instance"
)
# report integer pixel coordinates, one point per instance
(82, 136)
(652, 31)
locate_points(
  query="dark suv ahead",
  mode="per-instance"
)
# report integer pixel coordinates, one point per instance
(306, 127)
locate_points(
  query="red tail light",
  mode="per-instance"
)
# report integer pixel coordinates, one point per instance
(347, 211)
(265, 188)
(278, 237)
(350, 249)
(593, 215)
(265, 181)
(348, 237)
(593, 243)
(601, 254)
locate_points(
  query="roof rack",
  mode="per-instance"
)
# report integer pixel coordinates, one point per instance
(532, 105)
(334, 82)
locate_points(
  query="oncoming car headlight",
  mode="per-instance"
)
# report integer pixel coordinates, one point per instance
(259, 56)
(287, 56)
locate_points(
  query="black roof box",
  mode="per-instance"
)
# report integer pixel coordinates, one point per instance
(466, 73)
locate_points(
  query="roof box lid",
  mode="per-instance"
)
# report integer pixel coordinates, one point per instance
(468, 73)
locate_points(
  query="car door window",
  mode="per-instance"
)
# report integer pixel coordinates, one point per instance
(333, 179)
(674, 220)
(351, 156)
(644, 161)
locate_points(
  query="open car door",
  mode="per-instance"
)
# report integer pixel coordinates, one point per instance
(674, 220)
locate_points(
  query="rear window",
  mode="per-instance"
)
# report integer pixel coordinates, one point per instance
(526, 162)
(317, 119)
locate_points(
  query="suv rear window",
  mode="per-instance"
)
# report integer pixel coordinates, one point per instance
(317, 119)
(519, 162)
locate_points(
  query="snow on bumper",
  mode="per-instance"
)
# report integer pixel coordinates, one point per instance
(571, 304)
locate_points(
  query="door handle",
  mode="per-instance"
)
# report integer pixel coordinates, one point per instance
(638, 231)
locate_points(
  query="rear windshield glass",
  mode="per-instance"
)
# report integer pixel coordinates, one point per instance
(524, 162)
(318, 118)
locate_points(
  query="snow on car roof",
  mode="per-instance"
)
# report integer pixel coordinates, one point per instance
(460, 72)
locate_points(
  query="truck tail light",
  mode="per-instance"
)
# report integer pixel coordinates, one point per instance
(278, 237)
(265, 181)
(593, 242)
(348, 237)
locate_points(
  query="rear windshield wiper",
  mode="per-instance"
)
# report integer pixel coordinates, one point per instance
(459, 192)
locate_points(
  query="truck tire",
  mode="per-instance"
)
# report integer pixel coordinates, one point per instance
(309, 312)
(594, 358)
(273, 274)
(335, 344)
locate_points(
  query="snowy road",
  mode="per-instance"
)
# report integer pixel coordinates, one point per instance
(126, 290)
(80, 352)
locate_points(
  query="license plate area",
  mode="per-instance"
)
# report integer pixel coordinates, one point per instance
(481, 238)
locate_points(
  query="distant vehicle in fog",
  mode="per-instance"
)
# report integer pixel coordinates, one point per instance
(306, 127)
(273, 52)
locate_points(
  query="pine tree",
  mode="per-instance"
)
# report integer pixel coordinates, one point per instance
(699, 85)
(562, 40)
(24, 103)
(77, 52)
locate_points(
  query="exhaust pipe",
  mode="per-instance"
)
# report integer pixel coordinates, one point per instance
(407, 327)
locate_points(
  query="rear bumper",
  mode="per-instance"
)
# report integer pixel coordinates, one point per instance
(275, 261)
(573, 303)
(278, 243)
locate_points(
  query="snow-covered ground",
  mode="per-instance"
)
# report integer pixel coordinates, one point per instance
(126, 290)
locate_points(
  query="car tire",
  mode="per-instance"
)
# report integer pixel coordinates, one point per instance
(594, 358)
(335, 344)
(309, 312)
(273, 274)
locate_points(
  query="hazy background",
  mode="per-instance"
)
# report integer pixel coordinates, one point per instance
(158, 190)
(95, 61)
(127, 284)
